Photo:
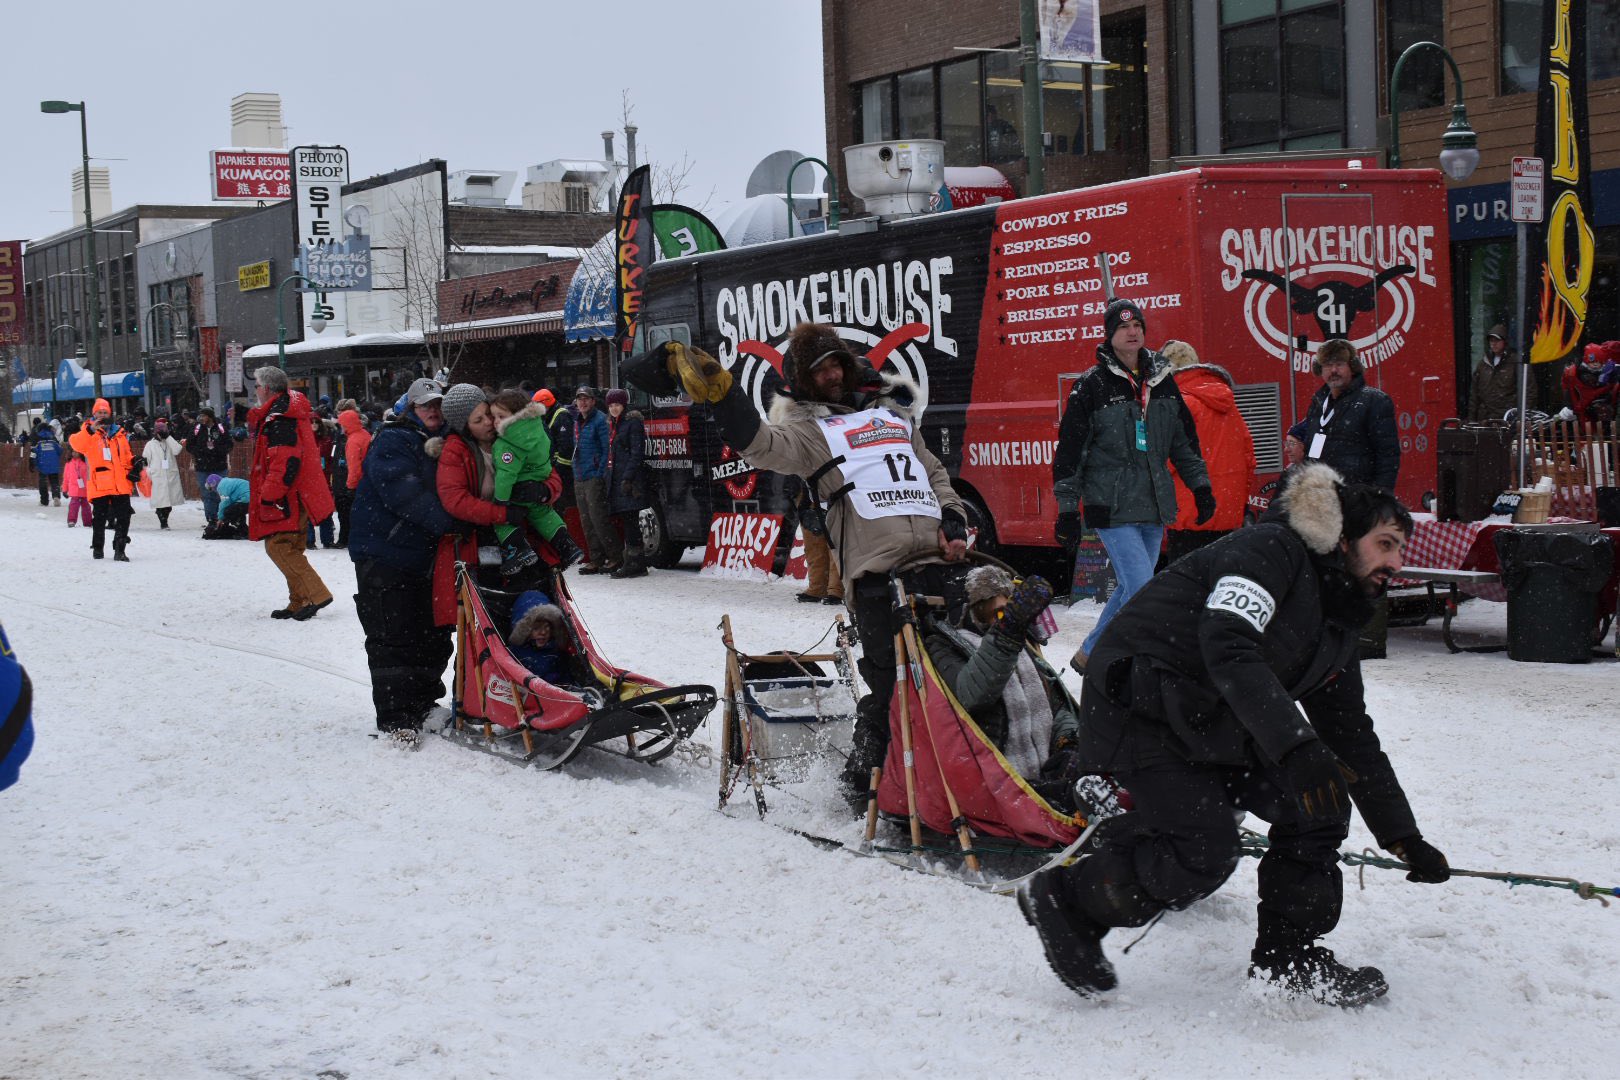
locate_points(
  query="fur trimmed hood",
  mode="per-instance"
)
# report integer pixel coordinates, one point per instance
(532, 411)
(1309, 503)
(896, 392)
(530, 609)
(434, 446)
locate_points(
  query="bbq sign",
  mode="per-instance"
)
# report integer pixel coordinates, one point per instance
(1304, 286)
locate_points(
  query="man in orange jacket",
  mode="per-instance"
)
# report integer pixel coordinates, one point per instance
(113, 468)
(288, 489)
(1223, 435)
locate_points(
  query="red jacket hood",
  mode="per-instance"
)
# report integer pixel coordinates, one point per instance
(297, 407)
(350, 421)
(1209, 385)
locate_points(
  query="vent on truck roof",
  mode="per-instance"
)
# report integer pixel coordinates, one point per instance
(1261, 406)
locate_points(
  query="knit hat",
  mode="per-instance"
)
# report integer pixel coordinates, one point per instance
(618, 397)
(544, 397)
(1117, 314)
(1179, 353)
(212, 483)
(101, 406)
(458, 404)
(985, 582)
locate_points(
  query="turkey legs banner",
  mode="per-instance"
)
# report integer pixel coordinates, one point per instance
(1563, 244)
(634, 254)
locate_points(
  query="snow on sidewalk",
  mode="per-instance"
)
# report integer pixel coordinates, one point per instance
(210, 870)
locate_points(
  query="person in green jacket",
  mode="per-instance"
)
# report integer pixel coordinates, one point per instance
(1011, 692)
(522, 456)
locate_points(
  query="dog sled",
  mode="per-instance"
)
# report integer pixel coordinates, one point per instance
(504, 709)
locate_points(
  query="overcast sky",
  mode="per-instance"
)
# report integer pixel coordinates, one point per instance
(484, 85)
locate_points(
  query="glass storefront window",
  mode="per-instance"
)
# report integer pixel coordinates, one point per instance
(1119, 89)
(1063, 105)
(1250, 85)
(1423, 79)
(959, 119)
(916, 94)
(1282, 74)
(1003, 107)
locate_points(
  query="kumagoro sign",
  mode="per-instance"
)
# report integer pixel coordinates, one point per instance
(251, 175)
(318, 175)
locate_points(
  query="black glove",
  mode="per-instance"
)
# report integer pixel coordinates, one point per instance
(531, 492)
(1318, 780)
(1204, 499)
(954, 526)
(1027, 601)
(464, 529)
(1427, 863)
(1069, 527)
(516, 515)
(650, 371)
(1064, 764)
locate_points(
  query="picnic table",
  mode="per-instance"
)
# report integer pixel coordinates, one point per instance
(1461, 555)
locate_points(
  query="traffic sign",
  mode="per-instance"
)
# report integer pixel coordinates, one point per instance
(1527, 190)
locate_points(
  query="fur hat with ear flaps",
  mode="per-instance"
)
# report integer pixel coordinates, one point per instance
(1309, 501)
(810, 343)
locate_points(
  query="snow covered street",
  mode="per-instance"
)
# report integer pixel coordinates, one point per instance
(211, 870)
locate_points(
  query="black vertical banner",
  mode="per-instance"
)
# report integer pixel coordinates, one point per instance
(1562, 248)
(633, 255)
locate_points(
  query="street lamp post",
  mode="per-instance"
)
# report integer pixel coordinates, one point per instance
(1029, 45)
(146, 353)
(1459, 146)
(281, 319)
(92, 271)
(78, 350)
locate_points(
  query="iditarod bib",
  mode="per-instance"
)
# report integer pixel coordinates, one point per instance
(881, 471)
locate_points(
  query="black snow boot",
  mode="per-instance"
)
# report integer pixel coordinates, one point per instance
(568, 552)
(633, 566)
(1313, 972)
(118, 553)
(1073, 943)
(516, 556)
(163, 517)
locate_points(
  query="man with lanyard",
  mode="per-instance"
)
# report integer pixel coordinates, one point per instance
(113, 471)
(1350, 425)
(852, 435)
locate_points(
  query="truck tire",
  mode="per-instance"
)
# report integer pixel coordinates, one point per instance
(662, 552)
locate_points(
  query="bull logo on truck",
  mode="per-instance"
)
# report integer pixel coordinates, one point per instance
(1305, 286)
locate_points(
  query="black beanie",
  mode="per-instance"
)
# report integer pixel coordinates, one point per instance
(1118, 312)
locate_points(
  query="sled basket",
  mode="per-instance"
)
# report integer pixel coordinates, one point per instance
(504, 707)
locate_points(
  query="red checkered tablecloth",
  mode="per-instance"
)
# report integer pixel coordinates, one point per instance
(1441, 545)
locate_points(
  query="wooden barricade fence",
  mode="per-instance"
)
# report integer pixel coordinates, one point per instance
(1581, 457)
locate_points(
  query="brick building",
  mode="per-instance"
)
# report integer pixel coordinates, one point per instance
(506, 328)
(1199, 78)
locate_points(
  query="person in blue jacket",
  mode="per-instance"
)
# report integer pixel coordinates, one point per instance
(230, 514)
(16, 719)
(395, 525)
(45, 458)
(537, 637)
(591, 485)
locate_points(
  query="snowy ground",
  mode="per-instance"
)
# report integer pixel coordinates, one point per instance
(210, 870)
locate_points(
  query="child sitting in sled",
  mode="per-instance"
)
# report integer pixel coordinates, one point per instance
(522, 454)
(537, 636)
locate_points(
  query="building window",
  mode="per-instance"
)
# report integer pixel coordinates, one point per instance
(1282, 74)
(1118, 89)
(915, 92)
(1003, 107)
(877, 110)
(1520, 34)
(959, 112)
(1423, 79)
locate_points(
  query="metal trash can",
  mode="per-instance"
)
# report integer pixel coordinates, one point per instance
(1553, 579)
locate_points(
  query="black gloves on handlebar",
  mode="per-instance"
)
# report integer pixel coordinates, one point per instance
(1069, 527)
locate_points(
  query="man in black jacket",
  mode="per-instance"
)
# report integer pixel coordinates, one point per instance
(1351, 425)
(209, 444)
(1189, 701)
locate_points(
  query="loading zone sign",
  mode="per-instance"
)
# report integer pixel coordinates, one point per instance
(1528, 190)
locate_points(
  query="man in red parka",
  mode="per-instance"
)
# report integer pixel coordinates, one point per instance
(288, 489)
(1223, 435)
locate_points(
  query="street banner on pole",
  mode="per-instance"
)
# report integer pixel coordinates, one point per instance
(1562, 249)
(1071, 31)
(11, 292)
(319, 173)
(633, 254)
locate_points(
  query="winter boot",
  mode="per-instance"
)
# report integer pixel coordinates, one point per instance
(118, 554)
(633, 566)
(163, 517)
(1313, 972)
(1073, 943)
(56, 500)
(516, 555)
(568, 552)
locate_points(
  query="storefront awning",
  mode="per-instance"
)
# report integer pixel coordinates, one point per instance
(539, 322)
(33, 392)
(400, 339)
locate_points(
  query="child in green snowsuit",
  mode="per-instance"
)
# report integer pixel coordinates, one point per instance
(522, 455)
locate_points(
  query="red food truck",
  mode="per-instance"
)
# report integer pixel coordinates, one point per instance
(995, 310)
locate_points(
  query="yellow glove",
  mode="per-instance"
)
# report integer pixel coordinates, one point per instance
(699, 373)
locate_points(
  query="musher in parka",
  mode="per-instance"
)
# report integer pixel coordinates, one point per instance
(1190, 702)
(852, 435)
